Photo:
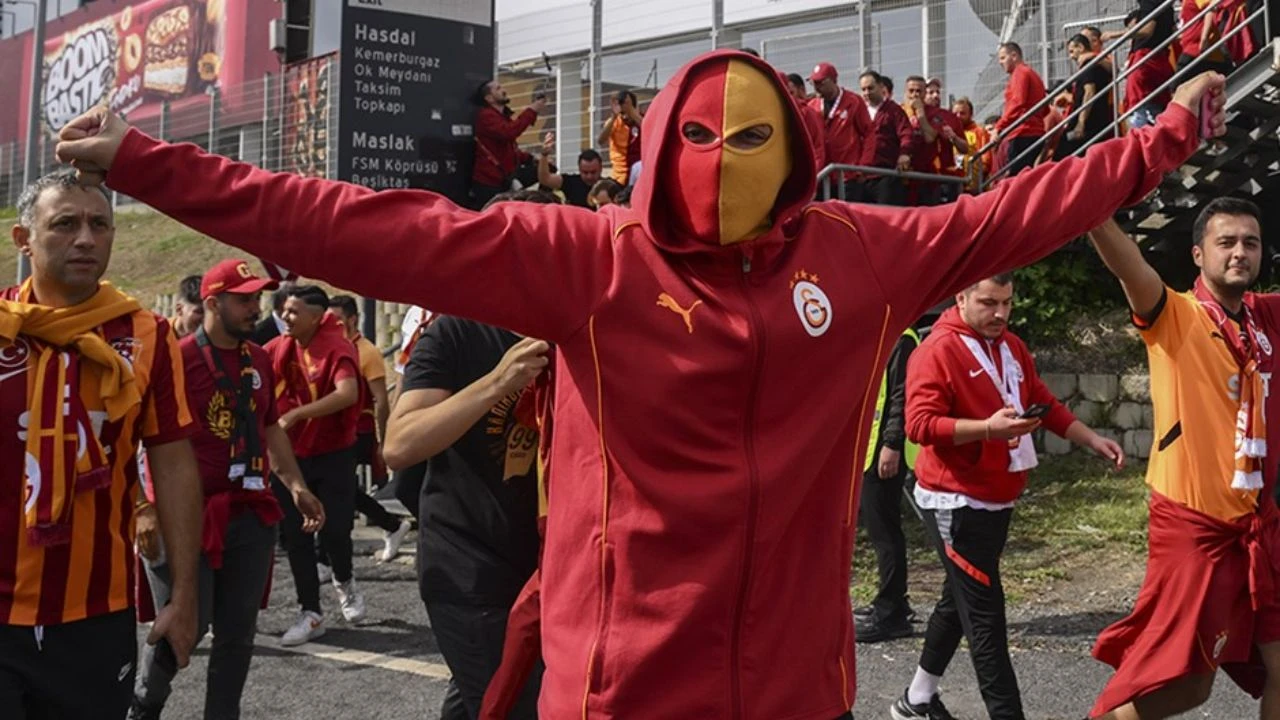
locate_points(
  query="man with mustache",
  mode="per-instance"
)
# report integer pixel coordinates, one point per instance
(707, 446)
(1209, 598)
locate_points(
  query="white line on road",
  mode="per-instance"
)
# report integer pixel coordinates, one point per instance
(359, 657)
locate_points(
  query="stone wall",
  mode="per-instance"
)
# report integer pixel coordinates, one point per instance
(1117, 406)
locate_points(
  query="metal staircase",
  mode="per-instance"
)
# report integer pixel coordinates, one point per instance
(1244, 163)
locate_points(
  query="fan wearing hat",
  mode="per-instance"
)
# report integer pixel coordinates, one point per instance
(229, 385)
(844, 113)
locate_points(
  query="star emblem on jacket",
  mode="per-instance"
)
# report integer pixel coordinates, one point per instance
(812, 304)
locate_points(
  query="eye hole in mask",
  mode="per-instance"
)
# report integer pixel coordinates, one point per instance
(751, 138)
(698, 134)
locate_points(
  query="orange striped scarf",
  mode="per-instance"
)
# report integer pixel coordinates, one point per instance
(64, 455)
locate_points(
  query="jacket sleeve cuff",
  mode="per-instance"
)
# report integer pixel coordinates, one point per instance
(944, 431)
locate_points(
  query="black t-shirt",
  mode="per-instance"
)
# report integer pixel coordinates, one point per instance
(575, 190)
(1101, 113)
(1165, 25)
(478, 532)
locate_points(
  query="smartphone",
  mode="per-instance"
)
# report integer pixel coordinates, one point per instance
(1038, 410)
(1206, 115)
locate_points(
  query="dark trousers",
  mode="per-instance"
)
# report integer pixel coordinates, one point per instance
(470, 639)
(80, 670)
(1017, 146)
(332, 477)
(229, 599)
(882, 191)
(881, 514)
(972, 605)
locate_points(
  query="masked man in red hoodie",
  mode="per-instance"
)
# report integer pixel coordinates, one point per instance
(973, 398)
(719, 350)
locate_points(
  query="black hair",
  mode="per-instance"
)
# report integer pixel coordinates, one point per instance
(622, 95)
(607, 185)
(477, 98)
(189, 289)
(917, 78)
(346, 304)
(1222, 206)
(750, 51)
(1091, 29)
(540, 197)
(624, 196)
(312, 295)
(872, 74)
(589, 155)
(886, 81)
(1082, 40)
(796, 79)
(1012, 47)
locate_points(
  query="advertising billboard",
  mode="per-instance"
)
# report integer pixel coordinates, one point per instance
(307, 113)
(136, 55)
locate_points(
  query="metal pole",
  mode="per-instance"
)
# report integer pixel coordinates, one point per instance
(717, 23)
(1044, 39)
(266, 118)
(214, 107)
(164, 120)
(594, 78)
(864, 35)
(31, 168)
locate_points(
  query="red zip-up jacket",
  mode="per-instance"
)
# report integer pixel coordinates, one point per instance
(946, 383)
(496, 153)
(845, 128)
(708, 471)
(1024, 90)
(891, 136)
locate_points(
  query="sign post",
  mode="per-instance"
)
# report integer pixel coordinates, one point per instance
(408, 71)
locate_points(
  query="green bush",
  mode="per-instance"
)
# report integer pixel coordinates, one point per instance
(1055, 293)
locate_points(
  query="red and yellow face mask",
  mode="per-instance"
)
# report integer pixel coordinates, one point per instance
(731, 154)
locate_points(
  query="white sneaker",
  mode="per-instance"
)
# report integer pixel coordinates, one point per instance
(325, 572)
(350, 600)
(391, 541)
(309, 627)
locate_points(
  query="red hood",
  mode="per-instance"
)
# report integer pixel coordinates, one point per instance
(659, 130)
(951, 320)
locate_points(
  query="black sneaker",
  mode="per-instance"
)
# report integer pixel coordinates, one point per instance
(935, 710)
(876, 629)
(865, 611)
(138, 711)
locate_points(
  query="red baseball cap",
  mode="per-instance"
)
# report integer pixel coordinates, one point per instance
(233, 276)
(824, 71)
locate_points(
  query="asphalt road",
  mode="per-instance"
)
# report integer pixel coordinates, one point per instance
(388, 666)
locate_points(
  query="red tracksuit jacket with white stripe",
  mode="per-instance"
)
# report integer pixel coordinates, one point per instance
(712, 403)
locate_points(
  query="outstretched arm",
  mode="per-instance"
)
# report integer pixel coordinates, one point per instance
(1027, 217)
(534, 269)
(1141, 283)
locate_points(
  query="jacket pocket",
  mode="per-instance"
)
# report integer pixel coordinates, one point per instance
(599, 649)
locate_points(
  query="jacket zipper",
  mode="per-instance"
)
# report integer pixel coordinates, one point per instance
(753, 482)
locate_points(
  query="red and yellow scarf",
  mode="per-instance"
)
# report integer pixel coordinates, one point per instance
(64, 455)
(1251, 423)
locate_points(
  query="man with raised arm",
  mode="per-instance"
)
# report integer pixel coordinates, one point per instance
(719, 349)
(1209, 598)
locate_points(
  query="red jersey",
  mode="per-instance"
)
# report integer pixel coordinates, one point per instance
(946, 151)
(703, 520)
(946, 383)
(306, 374)
(213, 409)
(925, 155)
(1024, 90)
(816, 127)
(93, 574)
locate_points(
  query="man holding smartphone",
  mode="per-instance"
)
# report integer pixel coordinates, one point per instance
(973, 398)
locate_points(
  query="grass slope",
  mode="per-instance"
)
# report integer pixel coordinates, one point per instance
(1077, 513)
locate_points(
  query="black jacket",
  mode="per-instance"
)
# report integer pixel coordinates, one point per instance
(265, 330)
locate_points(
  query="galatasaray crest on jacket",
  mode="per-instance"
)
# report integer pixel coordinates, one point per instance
(812, 304)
